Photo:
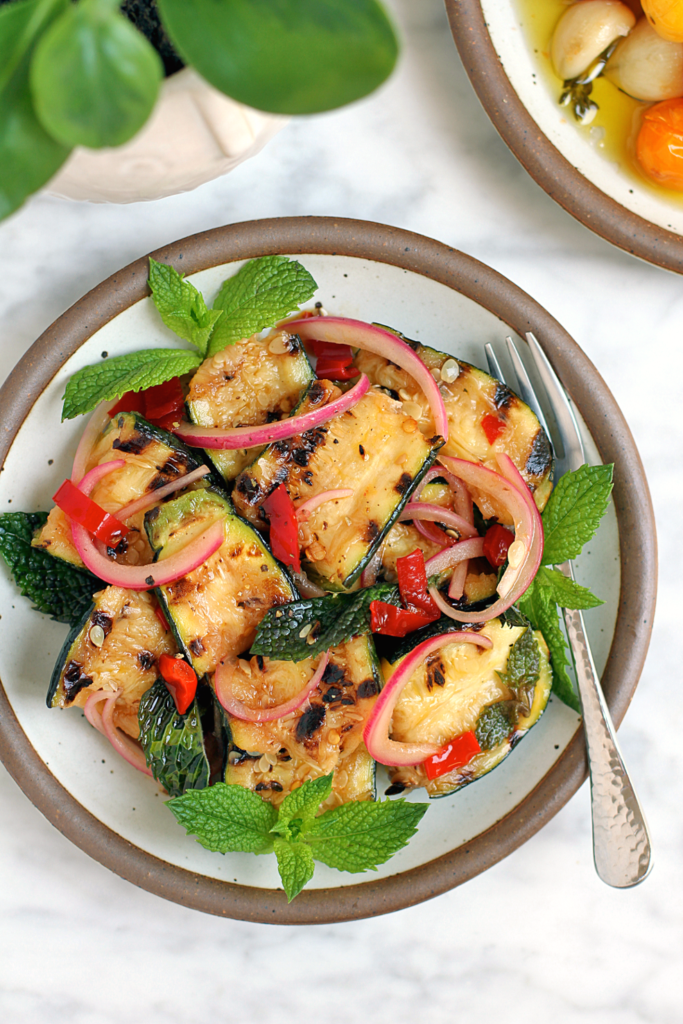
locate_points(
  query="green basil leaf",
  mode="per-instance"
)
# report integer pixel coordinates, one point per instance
(94, 77)
(133, 372)
(173, 743)
(56, 587)
(285, 56)
(29, 156)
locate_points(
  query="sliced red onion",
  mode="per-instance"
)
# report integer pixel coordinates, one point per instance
(152, 497)
(456, 588)
(250, 437)
(96, 424)
(140, 577)
(344, 331)
(306, 587)
(305, 509)
(473, 547)
(376, 732)
(433, 533)
(371, 570)
(129, 750)
(437, 514)
(223, 684)
(510, 490)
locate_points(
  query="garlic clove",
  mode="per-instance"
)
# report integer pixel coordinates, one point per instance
(584, 31)
(646, 66)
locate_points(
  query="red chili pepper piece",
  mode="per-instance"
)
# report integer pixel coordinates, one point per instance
(327, 369)
(86, 512)
(455, 754)
(412, 583)
(493, 427)
(330, 350)
(180, 679)
(164, 400)
(392, 621)
(284, 529)
(433, 532)
(132, 401)
(497, 540)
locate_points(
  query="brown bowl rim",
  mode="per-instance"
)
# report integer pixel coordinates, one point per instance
(546, 165)
(432, 259)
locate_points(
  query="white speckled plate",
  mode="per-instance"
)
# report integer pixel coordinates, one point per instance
(116, 813)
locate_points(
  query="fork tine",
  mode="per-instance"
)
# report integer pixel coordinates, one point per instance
(567, 432)
(494, 365)
(524, 385)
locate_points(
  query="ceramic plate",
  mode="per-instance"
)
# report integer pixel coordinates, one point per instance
(496, 43)
(431, 293)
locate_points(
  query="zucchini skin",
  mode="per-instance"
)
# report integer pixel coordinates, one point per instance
(417, 694)
(63, 657)
(214, 610)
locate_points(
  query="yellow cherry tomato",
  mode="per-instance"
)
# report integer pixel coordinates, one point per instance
(660, 143)
(666, 17)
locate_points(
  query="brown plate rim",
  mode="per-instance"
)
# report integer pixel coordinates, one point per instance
(432, 259)
(544, 162)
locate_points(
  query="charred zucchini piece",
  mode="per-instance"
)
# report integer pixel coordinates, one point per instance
(324, 735)
(153, 458)
(466, 688)
(374, 449)
(117, 646)
(484, 417)
(214, 610)
(247, 384)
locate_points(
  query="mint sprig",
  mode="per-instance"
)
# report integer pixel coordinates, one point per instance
(114, 377)
(574, 510)
(181, 306)
(354, 837)
(260, 293)
(570, 519)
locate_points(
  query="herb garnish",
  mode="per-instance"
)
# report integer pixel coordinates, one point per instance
(261, 292)
(354, 837)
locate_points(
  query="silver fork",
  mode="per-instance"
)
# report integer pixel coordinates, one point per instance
(621, 842)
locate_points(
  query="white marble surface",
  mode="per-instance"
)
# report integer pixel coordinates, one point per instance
(537, 938)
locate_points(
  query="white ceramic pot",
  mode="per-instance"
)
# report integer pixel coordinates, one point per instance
(194, 134)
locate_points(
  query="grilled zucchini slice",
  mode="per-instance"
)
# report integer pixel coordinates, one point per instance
(252, 382)
(448, 695)
(117, 646)
(153, 458)
(479, 408)
(214, 610)
(324, 735)
(374, 449)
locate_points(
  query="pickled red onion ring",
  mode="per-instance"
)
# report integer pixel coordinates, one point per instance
(249, 437)
(94, 427)
(140, 577)
(344, 331)
(376, 732)
(437, 514)
(129, 750)
(473, 547)
(223, 683)
(151, 498)
(304, 510)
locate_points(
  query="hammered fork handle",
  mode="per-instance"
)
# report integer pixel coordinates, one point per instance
(621, 843)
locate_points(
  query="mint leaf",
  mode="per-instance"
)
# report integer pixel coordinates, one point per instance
(226, 818)
(495, 723)
(295, 864)
(330, 620)
(260, 293)
(564, 591)
(539, 607)
(56, 587)
(574, 511)
(114, 377)
(173, 743)
(524, 662)
(360, 835)
(181, 306)
(299, 808)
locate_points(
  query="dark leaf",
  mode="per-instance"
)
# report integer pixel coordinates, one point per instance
(173, 743)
